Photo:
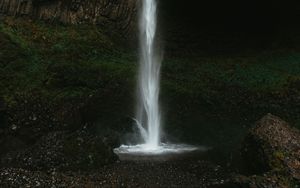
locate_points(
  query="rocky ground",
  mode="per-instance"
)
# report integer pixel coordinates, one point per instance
(270, 152)
(123, 174)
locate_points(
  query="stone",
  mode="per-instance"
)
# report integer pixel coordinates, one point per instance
(271, 153)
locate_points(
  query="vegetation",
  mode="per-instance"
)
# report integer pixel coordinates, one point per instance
(58, 59)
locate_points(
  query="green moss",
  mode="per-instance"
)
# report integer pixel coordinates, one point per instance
(262, 72)
(277, 161)
(59, 60)
(77, 55)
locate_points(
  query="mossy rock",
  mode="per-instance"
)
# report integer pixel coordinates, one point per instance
(271, 149)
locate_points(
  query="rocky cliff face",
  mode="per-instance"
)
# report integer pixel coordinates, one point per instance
(116, 14)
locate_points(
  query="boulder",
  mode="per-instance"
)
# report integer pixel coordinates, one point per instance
(271, 150)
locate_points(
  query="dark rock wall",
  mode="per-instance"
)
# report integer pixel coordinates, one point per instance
(114, 14)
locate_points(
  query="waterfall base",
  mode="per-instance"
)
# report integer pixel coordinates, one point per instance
(161, 152)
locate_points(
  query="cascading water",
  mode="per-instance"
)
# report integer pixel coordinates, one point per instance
(148, 118)
(148, 112)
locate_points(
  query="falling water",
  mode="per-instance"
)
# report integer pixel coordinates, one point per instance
(148, 118)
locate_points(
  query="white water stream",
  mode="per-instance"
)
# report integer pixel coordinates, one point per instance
(148, 118)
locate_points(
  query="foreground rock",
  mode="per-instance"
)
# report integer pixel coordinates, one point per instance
(272, 151)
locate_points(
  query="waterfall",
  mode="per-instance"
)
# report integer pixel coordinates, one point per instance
(148, 115)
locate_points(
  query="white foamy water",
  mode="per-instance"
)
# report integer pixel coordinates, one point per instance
(144, 149)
